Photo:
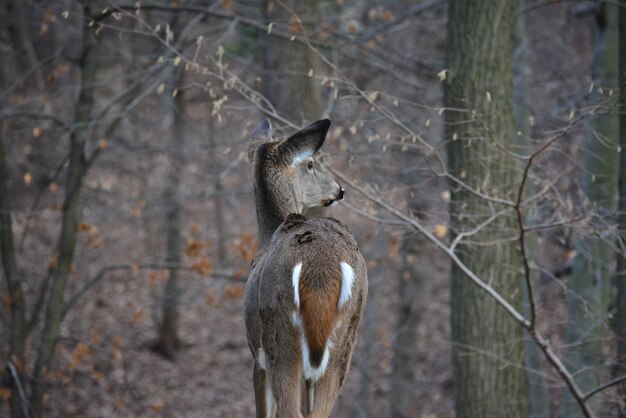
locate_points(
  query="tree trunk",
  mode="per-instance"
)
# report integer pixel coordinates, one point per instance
(287, 65)
(594, 263)
(168, 340)
(218, 199)
(402, 397)
(369, 337)
(70, 218)
(487, 353)
(537, 389)
(14, 286)
(32, 63)
(621, 256)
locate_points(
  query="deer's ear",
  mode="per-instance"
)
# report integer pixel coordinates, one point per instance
(304, 143)
(262, 133)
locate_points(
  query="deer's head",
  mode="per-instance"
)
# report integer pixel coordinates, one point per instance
(286, 178)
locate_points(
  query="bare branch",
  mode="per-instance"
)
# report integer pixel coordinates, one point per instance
(371, 217)
(522, 241)
(541, 341)
(474, 230)
(15, 376)
(35, 115)
(605, 386)
(136, 266)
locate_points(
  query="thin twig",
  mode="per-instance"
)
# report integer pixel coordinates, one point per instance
(605, 386)
(522, 241)
(33, 207)
(412, 222)
(35, 115)
(141, 266)
(474, 230)
(371, 217)
(20, 389)
(557, 224)
(541, 341)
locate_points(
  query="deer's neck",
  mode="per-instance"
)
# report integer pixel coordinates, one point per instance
(272, 208)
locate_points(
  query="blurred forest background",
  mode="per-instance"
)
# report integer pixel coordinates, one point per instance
(478, 142)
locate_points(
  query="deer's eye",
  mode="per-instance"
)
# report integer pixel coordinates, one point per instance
(309, 165)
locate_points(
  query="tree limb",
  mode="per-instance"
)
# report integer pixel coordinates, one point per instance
(541, 341)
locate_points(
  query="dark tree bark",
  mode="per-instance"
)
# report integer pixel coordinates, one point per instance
(286, 65)
(71, 216)
(377, 271)
(403, 402)
(14, 287)
(621, 256)
(594, 262)
(488, 355)
(218, 200)
(168, 341)
(22, 30)
(538, 398)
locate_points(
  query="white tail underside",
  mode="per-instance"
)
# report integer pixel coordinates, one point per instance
(347, 279)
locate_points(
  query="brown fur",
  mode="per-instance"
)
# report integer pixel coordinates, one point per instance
(319, 295)
(284, 187)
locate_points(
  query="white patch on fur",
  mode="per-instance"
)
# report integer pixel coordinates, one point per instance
(262, 360)
(298, 158)
(347, 280)
(310, 372)
(269, 395)
(295, 280)
(295, 317)
(269, 398)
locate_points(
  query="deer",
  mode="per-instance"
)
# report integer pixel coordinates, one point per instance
(307, 286)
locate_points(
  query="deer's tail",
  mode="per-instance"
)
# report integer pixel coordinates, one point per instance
(320, 292)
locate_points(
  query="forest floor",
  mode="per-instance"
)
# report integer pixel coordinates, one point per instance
(114, 374)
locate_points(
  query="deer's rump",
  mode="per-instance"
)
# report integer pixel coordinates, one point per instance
(309, 273)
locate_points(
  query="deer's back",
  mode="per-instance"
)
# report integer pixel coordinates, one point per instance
(316, 240)
(315, 249)
(320, 244)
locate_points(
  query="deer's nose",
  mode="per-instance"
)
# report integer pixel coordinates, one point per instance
(342, 193)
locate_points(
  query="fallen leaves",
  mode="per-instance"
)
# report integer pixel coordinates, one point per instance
(234, 291)
(202, 266)
(193, 248)
(157, 406)
(80, 353)
(247, 245)
(94, 239)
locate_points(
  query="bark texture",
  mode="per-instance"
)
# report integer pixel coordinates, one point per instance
(488, 355)
(538, 397)
(168, 341)
(403, 402)
(70, 220)
(621, 257)
(14, 286)
(286, 65)
(594, 263)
